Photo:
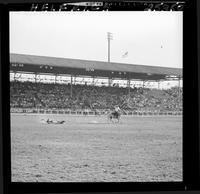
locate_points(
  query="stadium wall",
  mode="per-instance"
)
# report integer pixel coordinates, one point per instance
(93, 113)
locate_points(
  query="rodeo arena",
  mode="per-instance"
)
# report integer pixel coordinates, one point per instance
(77, 120)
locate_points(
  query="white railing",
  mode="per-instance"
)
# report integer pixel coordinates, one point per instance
(91, 112)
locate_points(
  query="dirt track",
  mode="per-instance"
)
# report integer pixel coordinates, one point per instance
(91, 149)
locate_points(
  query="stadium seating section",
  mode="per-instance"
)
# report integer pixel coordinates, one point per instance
(58, 96)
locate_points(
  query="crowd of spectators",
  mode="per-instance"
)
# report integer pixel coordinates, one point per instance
(63, 96)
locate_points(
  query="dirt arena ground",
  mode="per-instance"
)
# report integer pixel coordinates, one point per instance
(90, 149)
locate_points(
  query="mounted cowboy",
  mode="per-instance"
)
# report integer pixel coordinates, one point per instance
(116, 111)
(115, 114)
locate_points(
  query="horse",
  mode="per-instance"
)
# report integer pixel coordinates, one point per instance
(114, 115)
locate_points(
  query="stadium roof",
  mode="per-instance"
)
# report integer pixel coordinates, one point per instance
(92, 68)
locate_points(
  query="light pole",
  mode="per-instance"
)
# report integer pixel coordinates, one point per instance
(110, 37)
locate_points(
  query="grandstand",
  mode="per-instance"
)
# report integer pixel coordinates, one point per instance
(76, 85)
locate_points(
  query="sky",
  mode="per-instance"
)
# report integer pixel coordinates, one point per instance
(148, 38)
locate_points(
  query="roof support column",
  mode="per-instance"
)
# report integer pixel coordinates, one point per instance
(179, 80)
(93, 80)
(179, 88)
(129, 87)
(35, 77)
(14, 76)
(55, 78)
(128, 83)
(71, 86)
(110, 81)
(75, 80)
(158, 85)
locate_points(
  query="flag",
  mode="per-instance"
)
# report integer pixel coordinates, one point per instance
(125, 54)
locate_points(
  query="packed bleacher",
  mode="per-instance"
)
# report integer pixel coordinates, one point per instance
(59, 96)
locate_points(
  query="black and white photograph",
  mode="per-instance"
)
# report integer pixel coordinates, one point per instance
(96, 96)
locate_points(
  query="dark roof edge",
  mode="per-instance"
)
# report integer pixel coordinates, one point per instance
(178, 70)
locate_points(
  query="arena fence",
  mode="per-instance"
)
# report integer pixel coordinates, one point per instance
(91, 112)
